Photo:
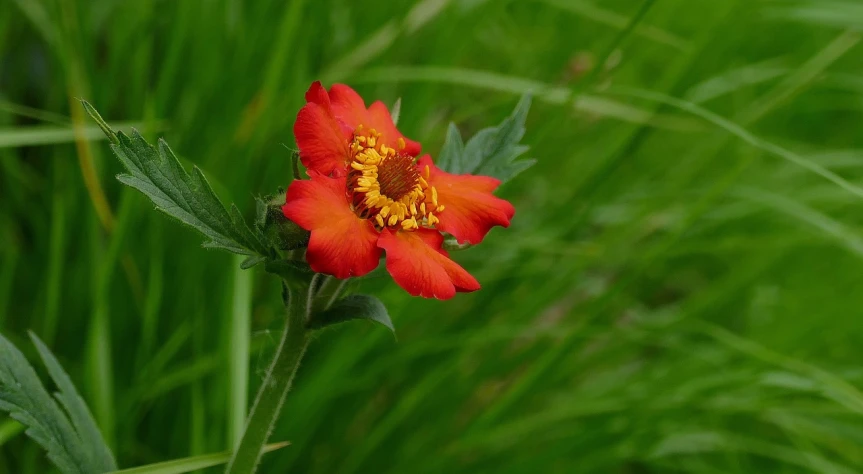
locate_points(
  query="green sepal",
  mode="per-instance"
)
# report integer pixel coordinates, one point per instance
(295, 274)
(450, 244)
(350, 308)
(493, 151)
(278, 231)
(396, 111)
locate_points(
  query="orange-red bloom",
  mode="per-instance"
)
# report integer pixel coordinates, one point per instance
(368, 194)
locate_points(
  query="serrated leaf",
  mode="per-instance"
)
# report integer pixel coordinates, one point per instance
(493, 151)
(450, 157)
(351, 308)
(25, 398)
(181, 466)
(251, 261)
(189, 198)
(82, 420)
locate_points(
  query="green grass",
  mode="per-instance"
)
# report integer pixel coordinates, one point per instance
(679, 290)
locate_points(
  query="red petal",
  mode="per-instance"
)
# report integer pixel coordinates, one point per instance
(470, 208)
(318, 95)
(323, 145)
(349, 108)
(341, 243)
(419, 264)
(382, 121)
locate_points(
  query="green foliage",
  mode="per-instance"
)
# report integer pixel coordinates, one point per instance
(585, 349)
(70, 437)
(280, 232)
(353, 307)
(181, 466)
(493, 151)
(188, 198)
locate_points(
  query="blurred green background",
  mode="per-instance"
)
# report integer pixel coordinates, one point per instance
(679, 291)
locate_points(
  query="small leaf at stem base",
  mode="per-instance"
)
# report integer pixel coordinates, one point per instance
(353, 307)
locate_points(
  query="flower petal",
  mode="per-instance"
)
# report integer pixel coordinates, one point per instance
(323, 145)
(341, 244)
(349, 108)
(382, 121)
(470, 208)
(419, 264)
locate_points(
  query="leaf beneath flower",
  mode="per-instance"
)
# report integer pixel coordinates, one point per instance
(493, 151)
(156, 172)
(353, 307)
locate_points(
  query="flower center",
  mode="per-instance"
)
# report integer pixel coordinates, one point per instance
(385, 185)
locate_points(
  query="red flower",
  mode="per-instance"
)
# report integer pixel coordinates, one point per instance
(368, 193)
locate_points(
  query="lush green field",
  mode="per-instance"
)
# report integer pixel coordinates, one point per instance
(680, 290)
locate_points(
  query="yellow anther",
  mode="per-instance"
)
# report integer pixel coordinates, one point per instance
(440, 208)
(377, 170)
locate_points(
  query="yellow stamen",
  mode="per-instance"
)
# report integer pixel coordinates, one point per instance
(386, 185)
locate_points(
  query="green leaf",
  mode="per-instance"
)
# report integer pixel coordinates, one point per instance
(99, 453)
(25, 398)
(180, 466)
(156, 172)
(353, 307)
(251, 261)
(492, 151)
(450, 157)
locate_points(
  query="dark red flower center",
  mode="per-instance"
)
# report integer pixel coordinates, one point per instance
(386, 186)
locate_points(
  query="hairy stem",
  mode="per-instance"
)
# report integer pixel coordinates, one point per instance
(271, 396)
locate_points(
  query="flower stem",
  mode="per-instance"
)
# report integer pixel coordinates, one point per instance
(271, 396)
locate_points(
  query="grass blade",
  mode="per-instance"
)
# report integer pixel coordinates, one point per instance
(181, 466)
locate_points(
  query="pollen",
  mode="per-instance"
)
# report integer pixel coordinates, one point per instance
(387, 187)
